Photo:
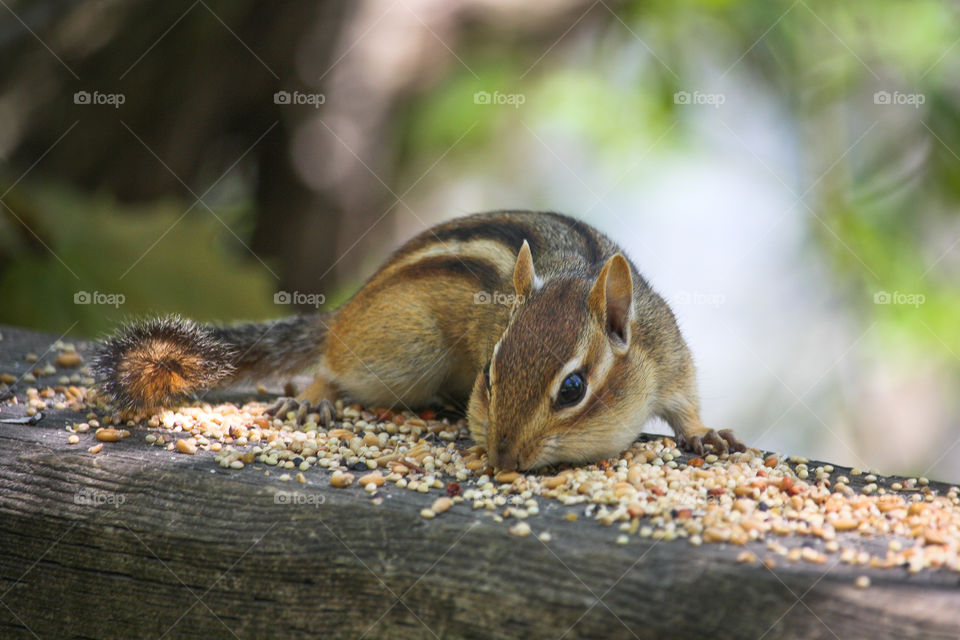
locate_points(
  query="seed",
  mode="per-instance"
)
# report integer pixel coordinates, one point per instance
(73, 439)
(427, 513)
(341, 479)
(375, 478)
(623, 539)
(746, 557)
(187, 445)
(236, 464)
(571, 517)
(521, 530)
(506, 477)
(552, 482)
(69, 359)
(934, 536)
(441, 504)
(96, 448)
(862, 582)
(844, 524)
(812, 555)
(715, 534)
(108, 434)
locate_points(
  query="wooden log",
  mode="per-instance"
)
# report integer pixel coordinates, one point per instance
(142, 542)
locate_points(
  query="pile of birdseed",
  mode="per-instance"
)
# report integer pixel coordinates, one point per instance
(652, 490)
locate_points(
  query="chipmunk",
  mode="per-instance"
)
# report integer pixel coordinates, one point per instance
(536, 322)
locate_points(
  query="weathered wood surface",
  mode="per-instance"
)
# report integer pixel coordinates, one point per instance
(197, 551)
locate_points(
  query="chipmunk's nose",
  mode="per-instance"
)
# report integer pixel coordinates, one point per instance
(505, 456)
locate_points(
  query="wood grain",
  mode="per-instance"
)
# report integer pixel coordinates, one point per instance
(173, 546)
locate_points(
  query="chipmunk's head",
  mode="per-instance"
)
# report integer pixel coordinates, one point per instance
(567, 381)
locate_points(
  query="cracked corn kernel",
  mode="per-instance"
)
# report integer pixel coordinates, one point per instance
(341, 479)
(441, 504)
(188, 446)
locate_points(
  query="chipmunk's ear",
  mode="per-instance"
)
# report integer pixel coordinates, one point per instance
(611, 300)
(524, 277)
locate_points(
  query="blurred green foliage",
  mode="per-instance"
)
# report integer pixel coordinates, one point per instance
(877, 206)
(196, 267)
(879, 211)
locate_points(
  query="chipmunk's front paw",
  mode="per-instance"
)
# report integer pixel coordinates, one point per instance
(325, 411)
(721, 441)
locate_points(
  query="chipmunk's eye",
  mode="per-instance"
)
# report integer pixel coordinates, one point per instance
(572, 389)
(486, 374)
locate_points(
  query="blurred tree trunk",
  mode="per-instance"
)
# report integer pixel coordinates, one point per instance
(198, 104)
(198, 81)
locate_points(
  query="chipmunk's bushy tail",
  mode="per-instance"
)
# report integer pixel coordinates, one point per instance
(148, 363)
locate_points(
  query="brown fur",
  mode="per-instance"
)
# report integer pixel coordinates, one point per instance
(160, 369)
(425, 324)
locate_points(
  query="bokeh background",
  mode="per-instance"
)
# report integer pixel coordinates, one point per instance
(786, 174)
